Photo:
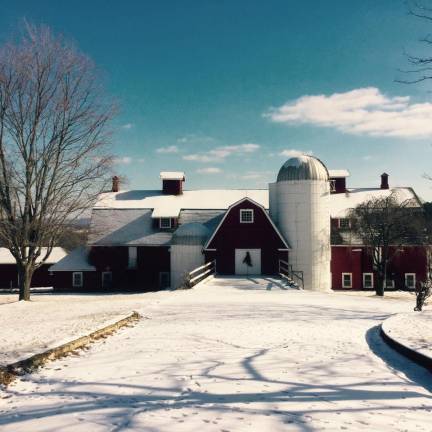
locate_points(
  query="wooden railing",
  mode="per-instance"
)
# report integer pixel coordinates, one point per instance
(293, 276)
(200, 273)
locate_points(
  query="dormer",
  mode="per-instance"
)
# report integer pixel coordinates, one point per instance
(172, 182)
(338, 180)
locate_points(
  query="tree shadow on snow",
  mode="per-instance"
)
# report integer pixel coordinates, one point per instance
(119, 403)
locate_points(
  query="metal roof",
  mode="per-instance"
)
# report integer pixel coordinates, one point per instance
(193, 233)
(303, 167)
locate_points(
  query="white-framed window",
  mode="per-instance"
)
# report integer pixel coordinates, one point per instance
(346, 280)
(344, 223)
(107, 279)
(77, 279)
(332, 185)
(246, 216)
(368, 280)
(164, 280)
(132, 257)
(165, 223)
(410, 280)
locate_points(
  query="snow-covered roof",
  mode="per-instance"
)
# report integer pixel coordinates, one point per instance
(172, 175)
(342, 203)
(338, 173)
(76, 260)
(57, 254)
(127, 218)
(207, 199)
(165, 212)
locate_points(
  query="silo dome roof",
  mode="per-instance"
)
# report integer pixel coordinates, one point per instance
(303, 167)
(193, 233)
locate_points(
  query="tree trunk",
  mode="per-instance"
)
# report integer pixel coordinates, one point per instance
(382, 279)
(25, 274)
(379, 289)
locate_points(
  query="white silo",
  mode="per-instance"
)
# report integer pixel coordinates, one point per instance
(186, 251)
(300, 207)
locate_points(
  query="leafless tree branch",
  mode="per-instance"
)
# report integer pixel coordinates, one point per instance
(54, 133)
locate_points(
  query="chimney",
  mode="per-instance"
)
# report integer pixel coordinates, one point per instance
(115, 184)
(384, 181)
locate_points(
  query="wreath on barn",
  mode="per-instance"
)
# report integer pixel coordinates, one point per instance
(247, 259)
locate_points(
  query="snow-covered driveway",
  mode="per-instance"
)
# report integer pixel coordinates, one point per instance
(233, 355)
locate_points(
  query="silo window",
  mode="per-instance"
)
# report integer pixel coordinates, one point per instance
(246, 216)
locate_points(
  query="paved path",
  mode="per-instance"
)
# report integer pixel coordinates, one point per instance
(233, 355)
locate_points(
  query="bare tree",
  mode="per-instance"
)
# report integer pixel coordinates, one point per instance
(54, 120)
(385, 225)
(421, 66)
(423, 291)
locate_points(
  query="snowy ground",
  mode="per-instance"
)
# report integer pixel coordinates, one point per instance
(413, 330)
(50, 320)
(233, 355)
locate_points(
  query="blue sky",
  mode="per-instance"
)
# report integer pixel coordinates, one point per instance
(226, 90)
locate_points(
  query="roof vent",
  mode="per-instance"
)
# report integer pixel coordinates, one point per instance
(172, 182)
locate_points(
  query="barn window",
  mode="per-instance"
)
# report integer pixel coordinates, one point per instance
(165, 223)
(368, 280)
(344, 223)
(164, 280)
(77, 279)
(106, 279)
(132, 257)
(410, 280)
(346, 280)
(246, 216)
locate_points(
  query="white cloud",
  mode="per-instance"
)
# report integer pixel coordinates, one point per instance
(218, 154)
(367, 157)
(123, 160)
(195, 138)
(127, 126)
(364, 111)
(169, 149)
(294, 153)
(209, 170)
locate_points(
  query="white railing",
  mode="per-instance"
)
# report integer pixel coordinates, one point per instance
(200, 273)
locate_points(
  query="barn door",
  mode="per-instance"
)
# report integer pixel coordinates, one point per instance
(248, 261)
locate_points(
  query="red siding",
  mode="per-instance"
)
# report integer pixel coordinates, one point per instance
(145, 277)
(9, 276)
(357, 260)
(172, 187)
(235, 235)
(340, 184)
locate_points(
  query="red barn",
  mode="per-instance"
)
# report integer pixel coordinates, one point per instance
(146, 239)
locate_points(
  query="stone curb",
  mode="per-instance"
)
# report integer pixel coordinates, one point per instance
(9, 372)
(417, 357)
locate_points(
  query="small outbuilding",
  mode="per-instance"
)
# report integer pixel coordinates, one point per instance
(42, 276)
